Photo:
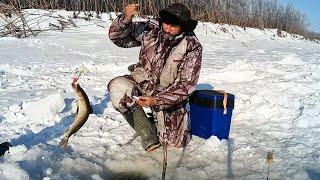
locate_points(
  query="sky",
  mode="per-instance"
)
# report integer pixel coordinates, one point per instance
(310, 8)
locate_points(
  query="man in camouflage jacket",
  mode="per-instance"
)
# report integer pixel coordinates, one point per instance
(163, 79)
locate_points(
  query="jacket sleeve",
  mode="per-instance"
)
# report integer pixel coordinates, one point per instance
(126, 35)
(185, 83)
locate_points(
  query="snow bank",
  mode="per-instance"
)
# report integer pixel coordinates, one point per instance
(44, 110)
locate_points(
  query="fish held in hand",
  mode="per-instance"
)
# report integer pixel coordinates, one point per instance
(83, 112)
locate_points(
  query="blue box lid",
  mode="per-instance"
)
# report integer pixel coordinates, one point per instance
(213, 95)
(211, 98)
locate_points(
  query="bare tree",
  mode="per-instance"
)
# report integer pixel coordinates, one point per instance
(244, 13)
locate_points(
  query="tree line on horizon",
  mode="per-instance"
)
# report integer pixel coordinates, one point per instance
(244, 13)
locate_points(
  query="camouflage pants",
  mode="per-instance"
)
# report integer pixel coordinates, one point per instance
(121, 90)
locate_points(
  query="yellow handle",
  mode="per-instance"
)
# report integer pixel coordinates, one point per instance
(225, 100)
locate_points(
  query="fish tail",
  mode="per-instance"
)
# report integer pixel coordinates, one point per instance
(64, 142)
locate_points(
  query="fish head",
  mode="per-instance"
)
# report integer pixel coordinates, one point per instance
(75, 86)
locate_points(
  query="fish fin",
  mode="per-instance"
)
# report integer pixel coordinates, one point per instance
(64, 142)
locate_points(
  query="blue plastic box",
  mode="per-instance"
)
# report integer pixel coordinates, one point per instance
(207, 114)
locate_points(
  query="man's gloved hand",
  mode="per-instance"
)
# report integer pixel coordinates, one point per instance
(146, 101)
(131, 10)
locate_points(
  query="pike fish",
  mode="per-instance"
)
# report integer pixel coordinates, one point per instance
(83, 111)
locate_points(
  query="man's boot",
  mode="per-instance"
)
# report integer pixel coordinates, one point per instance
(144, 128)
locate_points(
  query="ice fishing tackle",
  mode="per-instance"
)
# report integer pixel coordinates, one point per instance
(79, 72)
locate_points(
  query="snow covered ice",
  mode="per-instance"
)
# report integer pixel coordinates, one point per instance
(276, 82)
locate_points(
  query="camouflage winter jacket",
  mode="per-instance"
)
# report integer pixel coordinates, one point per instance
(168, 69)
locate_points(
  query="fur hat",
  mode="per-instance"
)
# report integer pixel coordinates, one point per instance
(178, 14)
